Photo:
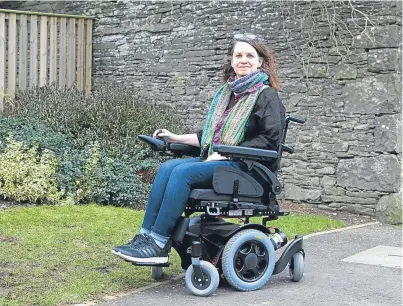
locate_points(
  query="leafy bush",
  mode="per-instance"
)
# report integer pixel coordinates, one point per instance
(83, 175)
(91, 175)
(112, 116)
(94, 140)
(118, 183)
(33, 133)
(26, 175)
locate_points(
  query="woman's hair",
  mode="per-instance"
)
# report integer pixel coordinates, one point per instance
(264, 52)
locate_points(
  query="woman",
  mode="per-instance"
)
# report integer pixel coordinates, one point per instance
(246, 111)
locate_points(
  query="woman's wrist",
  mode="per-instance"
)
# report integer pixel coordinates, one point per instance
(176, 138)
(188, 139)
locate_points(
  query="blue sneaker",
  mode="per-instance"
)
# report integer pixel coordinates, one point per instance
(138, 239)
(145, 251)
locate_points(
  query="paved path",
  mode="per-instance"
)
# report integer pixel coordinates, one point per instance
(328, 279)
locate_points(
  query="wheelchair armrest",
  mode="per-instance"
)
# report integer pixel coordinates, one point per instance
(178, 149)
(244, 152)
(155, 143)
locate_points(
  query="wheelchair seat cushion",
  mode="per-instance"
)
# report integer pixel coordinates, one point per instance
(211, 195)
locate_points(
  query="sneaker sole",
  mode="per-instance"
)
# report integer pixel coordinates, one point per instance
(152, 260)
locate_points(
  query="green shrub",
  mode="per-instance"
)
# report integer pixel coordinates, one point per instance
(26, 175)
(94, 138)
(70, 168)
(113, 116)
(33, 133)
(120, 184)
(91, 175)
(83, 175)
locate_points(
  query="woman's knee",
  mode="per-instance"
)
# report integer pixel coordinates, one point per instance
(182, 173)
(167, 167)
(167, 164)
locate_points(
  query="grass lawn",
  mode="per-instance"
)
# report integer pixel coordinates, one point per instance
(52, 255)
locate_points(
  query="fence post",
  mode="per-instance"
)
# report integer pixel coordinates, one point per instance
(12, 54)
(53, 51)
(71, 59)
(43, 58)
(62, 52)
(80, 54)
(23, 61)
(88, 58)
(33, 49)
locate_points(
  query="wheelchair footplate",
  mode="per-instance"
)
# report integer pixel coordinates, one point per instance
(150, 264)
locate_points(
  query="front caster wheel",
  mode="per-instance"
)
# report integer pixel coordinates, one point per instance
(211, 279)
(156, 273)
(296, 268)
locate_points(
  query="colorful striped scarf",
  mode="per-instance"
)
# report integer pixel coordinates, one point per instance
(247, 90)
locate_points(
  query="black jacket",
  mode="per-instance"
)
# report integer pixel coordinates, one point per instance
(265, 125)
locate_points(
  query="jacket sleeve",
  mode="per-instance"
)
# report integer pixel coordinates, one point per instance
(199, 134)
(270, 118)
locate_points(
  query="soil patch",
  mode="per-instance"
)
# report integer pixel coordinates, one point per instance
(12, 204)
(7, 238)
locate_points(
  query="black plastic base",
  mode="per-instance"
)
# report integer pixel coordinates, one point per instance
(215, 235)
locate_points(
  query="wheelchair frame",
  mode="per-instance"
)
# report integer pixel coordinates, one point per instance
(201, 241)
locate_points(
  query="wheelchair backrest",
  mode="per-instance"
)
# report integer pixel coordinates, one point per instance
(283, 146)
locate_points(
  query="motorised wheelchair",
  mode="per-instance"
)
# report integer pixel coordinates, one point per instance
(210, 246)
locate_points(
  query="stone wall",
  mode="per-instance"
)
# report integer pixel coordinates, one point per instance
(343, 75)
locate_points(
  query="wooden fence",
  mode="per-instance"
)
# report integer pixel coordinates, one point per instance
(39, 49)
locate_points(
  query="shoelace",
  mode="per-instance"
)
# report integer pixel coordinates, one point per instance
(138, 239)
(145, 241)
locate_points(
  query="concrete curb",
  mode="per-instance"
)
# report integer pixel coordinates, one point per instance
(181, 275)
(341, 229)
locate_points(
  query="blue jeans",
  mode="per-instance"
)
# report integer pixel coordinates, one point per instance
(171, 189)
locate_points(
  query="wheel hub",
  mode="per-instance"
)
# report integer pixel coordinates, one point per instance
(199, 283)
(251, 261)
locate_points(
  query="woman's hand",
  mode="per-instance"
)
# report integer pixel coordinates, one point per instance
(215, 156)
(167, 135)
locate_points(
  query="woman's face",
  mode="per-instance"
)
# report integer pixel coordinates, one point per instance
(245, 59)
